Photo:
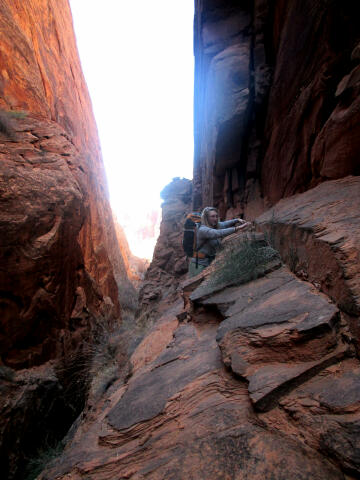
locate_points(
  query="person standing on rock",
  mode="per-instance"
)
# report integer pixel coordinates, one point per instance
(208, 238)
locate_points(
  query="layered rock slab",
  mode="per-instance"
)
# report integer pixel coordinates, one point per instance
(295, 349)
(182, 415)
(325, 413)
(317, 234)
(277, 332)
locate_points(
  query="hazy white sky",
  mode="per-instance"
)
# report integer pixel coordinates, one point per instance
(138, 63)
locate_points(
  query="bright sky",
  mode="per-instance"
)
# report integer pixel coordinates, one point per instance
(137, 58)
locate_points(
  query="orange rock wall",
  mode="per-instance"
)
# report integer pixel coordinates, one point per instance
(41, 75)
(60, 262)
(135, 267)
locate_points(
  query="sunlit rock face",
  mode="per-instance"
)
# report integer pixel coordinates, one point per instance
(276, 100)
(58, 253)
(135, 267)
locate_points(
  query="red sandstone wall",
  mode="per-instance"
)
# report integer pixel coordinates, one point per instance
(135, 267)
(276, 100)
(60, 263)
(41, 75)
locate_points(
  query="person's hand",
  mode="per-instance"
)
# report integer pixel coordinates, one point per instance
(243, 225)
(240, 221)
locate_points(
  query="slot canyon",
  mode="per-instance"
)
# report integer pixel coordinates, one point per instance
(112, 368)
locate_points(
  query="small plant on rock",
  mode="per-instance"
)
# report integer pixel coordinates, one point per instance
(104, 352)
(241, 261)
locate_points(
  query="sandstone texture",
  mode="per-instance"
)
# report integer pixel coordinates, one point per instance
(317, 234)
(259, 380)
(245, 379)
(276, 100)
(169, 263)
(58, 251)
(135, 267)
(253, 377)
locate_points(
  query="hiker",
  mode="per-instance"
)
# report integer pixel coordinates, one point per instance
(208, 238)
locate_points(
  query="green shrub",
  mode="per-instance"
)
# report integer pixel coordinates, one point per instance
(240, 261)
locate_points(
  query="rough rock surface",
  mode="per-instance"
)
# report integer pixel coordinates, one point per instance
(258, 382)
(169, 263)
(317, 234)
(135, 267)
(252, 381)
(276, 100)
(58, 249)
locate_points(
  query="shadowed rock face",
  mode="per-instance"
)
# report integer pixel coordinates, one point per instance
(276, 100)
(317, 234)
(58, 249)
(60, 223)
(169, 263)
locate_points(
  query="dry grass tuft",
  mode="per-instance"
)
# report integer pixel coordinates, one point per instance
(240, 261)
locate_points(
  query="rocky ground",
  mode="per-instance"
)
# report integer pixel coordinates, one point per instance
(246, 377)
(236, 381)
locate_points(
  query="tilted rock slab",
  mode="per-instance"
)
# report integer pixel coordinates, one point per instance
(318, 235)
(193, 410)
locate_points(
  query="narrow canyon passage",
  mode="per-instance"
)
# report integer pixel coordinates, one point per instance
(113, 369)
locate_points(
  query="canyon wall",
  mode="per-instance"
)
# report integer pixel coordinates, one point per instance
(276, 100)
(250, 370)
(250, 378)
(59, 254)
(169, 263)
(135, 267)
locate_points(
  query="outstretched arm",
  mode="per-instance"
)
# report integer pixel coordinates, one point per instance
(206, 233)
(228, 223)
(232, 223)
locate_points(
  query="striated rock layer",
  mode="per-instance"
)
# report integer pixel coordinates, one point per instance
(244, 378)
(243, 381)
(317, 234)
(58, 250)
(276, 100)
(259, 381)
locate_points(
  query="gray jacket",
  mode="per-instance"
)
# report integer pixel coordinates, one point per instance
(208, 240)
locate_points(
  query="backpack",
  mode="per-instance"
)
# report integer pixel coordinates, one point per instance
(192, 222)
